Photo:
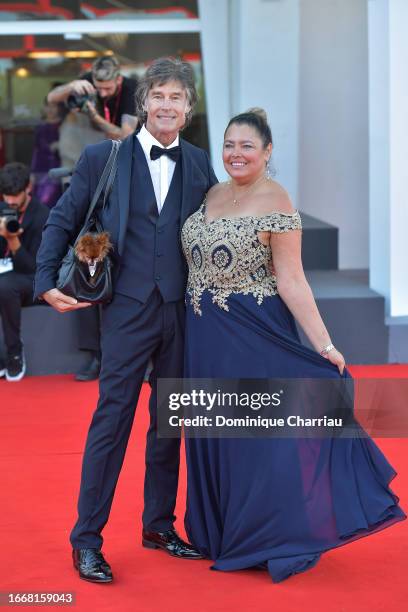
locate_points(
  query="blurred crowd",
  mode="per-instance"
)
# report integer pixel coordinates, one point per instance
(98, 105)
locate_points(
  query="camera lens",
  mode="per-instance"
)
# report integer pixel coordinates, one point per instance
(12, 226)
(78, 102)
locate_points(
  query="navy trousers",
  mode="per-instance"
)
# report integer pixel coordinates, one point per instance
(16, 291)
(132, 333)
(88, 324)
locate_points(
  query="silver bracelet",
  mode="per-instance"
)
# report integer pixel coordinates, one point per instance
(327, 349)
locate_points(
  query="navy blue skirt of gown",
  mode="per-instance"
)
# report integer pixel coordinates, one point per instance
(274, 502)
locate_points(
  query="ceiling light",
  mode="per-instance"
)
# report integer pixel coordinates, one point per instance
(80, 54)
(43, 54)
(73, 36)
(22, 73)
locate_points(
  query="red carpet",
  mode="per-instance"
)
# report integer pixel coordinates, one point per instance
(44, 423)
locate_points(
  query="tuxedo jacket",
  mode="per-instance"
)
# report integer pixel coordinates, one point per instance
(127, 210)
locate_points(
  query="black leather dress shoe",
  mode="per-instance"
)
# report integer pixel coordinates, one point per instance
(91, 371)
(91, 565)
(171, 542)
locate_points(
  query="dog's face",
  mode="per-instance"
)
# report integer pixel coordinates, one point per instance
(93, 247)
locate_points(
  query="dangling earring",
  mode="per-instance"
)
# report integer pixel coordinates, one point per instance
(268, 170)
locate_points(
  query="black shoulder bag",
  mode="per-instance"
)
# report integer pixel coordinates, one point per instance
(86, 270)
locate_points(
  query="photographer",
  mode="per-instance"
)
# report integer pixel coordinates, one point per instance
(21, 222)
(105, 95)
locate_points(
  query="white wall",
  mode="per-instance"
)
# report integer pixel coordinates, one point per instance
(399, 156)
(333, 121)
(379, 176)
(215, 47)
(388, 45)
(266, 42)
(259, 40)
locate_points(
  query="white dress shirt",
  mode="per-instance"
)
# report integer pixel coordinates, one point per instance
(161, 169)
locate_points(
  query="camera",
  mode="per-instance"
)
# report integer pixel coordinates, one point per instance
(11, 220)
(78, 102)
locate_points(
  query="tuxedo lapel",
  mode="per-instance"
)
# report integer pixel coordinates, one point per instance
(129, 147)
(123, 176)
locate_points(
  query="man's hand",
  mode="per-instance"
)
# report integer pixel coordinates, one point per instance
(111, 130)
(91, 109)
(82, 87)
(62, 302)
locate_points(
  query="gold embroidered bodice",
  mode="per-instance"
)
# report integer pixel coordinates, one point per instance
(225, 255)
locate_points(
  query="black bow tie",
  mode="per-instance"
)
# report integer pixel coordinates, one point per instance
(173, 153)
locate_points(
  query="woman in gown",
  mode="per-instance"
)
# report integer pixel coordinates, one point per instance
(277, 503)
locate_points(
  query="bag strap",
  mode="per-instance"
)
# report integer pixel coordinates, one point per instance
(106, 180)
(112, 174)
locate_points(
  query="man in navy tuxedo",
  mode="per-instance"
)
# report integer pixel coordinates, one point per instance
(160, 180)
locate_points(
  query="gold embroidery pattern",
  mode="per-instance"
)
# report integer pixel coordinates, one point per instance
(225, 256)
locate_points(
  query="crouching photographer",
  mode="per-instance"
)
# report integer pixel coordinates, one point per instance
(22, 218)
(106, 96)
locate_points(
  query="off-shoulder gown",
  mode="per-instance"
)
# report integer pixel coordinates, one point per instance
(277, 503)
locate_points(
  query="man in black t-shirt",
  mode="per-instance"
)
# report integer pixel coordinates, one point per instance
(111, 106)
(22, 219)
